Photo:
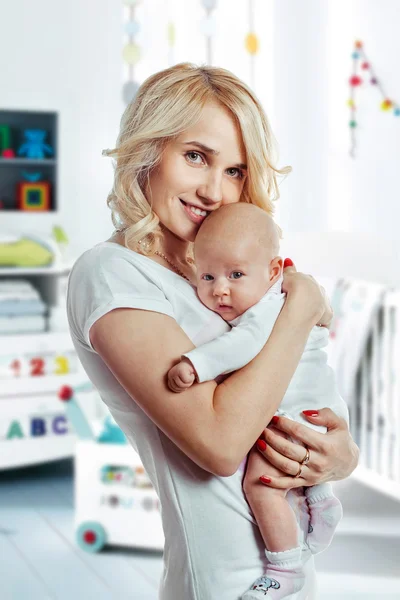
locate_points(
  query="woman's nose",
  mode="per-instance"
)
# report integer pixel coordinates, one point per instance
(210, 190)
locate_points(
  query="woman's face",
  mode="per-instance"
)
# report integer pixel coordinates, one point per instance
(201, 170)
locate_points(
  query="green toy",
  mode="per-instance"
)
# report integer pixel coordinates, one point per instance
(5, 138)
(25, 252)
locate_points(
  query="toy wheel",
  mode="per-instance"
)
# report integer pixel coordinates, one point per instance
(91, 536)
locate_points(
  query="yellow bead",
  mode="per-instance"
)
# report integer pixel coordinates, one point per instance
(350, 103)
(386, 105)
(131, 54)
(251, 43)
(171, 34)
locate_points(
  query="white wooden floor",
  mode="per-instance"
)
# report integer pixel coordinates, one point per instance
(39, 559)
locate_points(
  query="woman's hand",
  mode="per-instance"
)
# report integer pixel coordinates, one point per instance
(333, 455)
(309, 298)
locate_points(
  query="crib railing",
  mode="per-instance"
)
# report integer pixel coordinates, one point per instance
(375, 410)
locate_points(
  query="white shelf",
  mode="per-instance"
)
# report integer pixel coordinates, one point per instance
(27, 162)
(47, 341)
(56, 269)
(46, 384)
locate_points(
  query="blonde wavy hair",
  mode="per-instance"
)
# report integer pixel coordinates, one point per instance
(167, 104)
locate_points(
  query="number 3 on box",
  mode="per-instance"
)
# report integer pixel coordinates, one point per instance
(62, 365)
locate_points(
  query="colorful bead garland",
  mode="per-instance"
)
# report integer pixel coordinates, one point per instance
(357, 81)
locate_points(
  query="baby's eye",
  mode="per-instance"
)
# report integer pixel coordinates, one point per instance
(207, 277)
(236, 274)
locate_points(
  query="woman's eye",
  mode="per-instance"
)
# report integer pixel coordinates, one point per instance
(207, 277)
(193, 156)
(236, 173)
(237, 274)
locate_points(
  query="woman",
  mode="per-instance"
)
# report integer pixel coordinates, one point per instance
(192, 140)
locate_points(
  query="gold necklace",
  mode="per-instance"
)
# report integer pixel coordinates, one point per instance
(177, 269)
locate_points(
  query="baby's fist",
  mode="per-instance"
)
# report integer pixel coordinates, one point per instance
(181, 376)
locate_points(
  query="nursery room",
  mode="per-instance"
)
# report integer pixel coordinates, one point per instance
(124, 126)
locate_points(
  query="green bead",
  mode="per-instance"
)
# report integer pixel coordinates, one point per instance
(353, 124)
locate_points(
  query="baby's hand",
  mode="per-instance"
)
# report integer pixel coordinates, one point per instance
(181, 376)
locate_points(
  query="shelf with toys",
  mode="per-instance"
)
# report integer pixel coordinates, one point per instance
(28, 161)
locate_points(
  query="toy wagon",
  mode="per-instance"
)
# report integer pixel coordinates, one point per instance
(115, 502)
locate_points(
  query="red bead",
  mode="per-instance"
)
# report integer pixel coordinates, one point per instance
(65, 393)
(359, 44)
(89, 537)
(355, 80)
(365, 65)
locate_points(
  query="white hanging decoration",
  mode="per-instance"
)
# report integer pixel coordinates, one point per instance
(251, 42)
(171, 35)
(208, 26)
(131, 51)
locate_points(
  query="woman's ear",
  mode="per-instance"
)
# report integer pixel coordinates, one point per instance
(275, 269)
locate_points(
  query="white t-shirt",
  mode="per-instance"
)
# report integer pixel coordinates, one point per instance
(313, 384)
(213, 548)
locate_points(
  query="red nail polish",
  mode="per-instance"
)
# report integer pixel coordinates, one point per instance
(261, 445)
(264, 479)
(287, 262)
(311, 413)
(274, 420)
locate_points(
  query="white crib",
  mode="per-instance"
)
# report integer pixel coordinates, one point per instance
(375, 405)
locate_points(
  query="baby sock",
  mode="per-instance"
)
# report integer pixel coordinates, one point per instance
(284, 577)
(325, 513)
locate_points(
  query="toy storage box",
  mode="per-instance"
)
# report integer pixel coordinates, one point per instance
(34, 427)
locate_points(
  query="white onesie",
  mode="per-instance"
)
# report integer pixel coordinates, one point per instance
(313, 384)
(213, 548)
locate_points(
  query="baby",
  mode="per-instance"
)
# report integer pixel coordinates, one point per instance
(239, 276)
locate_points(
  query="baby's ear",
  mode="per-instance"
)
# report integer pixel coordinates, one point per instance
(275, 269)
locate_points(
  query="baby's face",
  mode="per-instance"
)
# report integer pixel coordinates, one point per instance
(232, 277)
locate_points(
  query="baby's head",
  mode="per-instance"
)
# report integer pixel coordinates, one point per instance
(236, 253)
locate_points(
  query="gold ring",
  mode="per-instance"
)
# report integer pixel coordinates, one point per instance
(299, 471)
(306, 458)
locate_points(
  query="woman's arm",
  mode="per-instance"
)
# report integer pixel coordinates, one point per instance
(214, 425)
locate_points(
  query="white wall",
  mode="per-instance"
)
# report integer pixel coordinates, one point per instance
(313, 46)
(66, 58)
(364, 194)
(70, 61)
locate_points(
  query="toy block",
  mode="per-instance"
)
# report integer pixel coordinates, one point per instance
(33, 196)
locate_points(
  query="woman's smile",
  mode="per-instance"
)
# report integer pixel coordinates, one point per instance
(195, 213)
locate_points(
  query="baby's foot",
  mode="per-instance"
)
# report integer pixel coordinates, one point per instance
(283, 578)
(276, 585)
(325, 514)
